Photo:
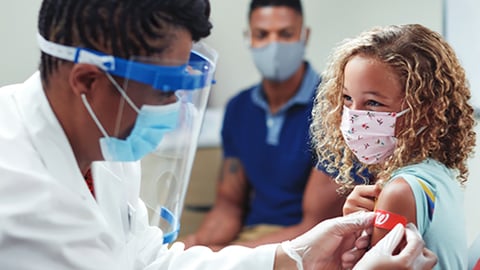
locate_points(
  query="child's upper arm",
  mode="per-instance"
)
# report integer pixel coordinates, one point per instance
(396, 197)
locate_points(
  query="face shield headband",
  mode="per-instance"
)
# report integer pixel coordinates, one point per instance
(164, 78)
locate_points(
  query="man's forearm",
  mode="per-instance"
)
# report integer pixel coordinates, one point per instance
(218, 229)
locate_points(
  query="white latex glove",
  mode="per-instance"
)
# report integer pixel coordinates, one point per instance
(322, 246)
(414, 256)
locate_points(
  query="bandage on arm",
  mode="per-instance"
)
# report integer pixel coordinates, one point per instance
(395, 204)
(387, 220)
(477, 265)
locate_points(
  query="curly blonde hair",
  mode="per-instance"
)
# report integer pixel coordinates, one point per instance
(436, 91)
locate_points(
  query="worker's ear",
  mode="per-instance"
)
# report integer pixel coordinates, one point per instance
(84, 77)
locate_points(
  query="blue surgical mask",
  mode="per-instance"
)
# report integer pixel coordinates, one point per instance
(278, 61)
(150, 126)
(148, 131)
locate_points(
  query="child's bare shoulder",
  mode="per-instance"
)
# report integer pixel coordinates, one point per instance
(397, 197)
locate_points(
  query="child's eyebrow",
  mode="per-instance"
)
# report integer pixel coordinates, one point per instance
(375, 93)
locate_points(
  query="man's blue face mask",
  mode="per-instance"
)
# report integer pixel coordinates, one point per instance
(278, 61)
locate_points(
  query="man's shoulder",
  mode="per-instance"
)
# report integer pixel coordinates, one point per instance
(243, 97)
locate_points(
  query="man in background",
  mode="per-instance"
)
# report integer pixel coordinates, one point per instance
(269, 189)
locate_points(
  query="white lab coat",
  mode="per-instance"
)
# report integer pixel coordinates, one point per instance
(49, 220)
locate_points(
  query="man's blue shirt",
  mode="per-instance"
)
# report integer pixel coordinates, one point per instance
(274, 150)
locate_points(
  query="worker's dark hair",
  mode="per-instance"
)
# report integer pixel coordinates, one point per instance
(294, 4)
(123, 28)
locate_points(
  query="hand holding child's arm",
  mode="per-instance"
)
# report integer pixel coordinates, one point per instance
(362, 198)
(414, 256)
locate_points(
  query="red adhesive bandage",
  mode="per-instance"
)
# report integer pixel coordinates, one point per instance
(477, 266)
(388, 220)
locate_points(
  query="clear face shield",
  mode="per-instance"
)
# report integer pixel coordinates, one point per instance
(181, 103)
(166, 170)
(165, 100)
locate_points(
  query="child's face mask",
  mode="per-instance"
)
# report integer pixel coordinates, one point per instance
(370, 135)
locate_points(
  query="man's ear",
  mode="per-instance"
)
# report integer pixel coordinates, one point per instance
(83, 77)
(307, 35)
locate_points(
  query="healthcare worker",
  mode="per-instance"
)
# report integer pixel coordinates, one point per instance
(120, 79)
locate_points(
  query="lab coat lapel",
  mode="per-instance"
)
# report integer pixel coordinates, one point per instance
(49, 138)
(115, 189)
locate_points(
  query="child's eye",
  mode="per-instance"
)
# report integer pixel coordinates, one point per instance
(347, 98)
(374, 103)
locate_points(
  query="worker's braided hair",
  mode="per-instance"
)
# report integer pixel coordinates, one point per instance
(122, 28)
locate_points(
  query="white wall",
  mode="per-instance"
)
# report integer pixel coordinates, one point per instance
(19, 53)
(461, 16)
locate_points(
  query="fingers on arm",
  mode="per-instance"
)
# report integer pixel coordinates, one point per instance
(414, 246)
(429, 258)
(365, 221)
(351, 257)
(390, 242)
(362, 198)
(354, 223)
(414, 254)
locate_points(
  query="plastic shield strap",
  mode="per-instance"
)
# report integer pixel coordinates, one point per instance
(166, 172)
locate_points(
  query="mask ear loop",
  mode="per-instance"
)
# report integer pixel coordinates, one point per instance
(402, 112)
(94, 117)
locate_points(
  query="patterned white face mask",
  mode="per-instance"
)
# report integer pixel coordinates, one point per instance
(370, 135)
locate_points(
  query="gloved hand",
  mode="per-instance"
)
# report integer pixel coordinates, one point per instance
(413, 256)
(322, 247)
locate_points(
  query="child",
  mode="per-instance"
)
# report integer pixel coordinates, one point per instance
(396, 99)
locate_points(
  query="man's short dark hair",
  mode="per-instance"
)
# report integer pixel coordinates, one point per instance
(294, 4)
(123, 28)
